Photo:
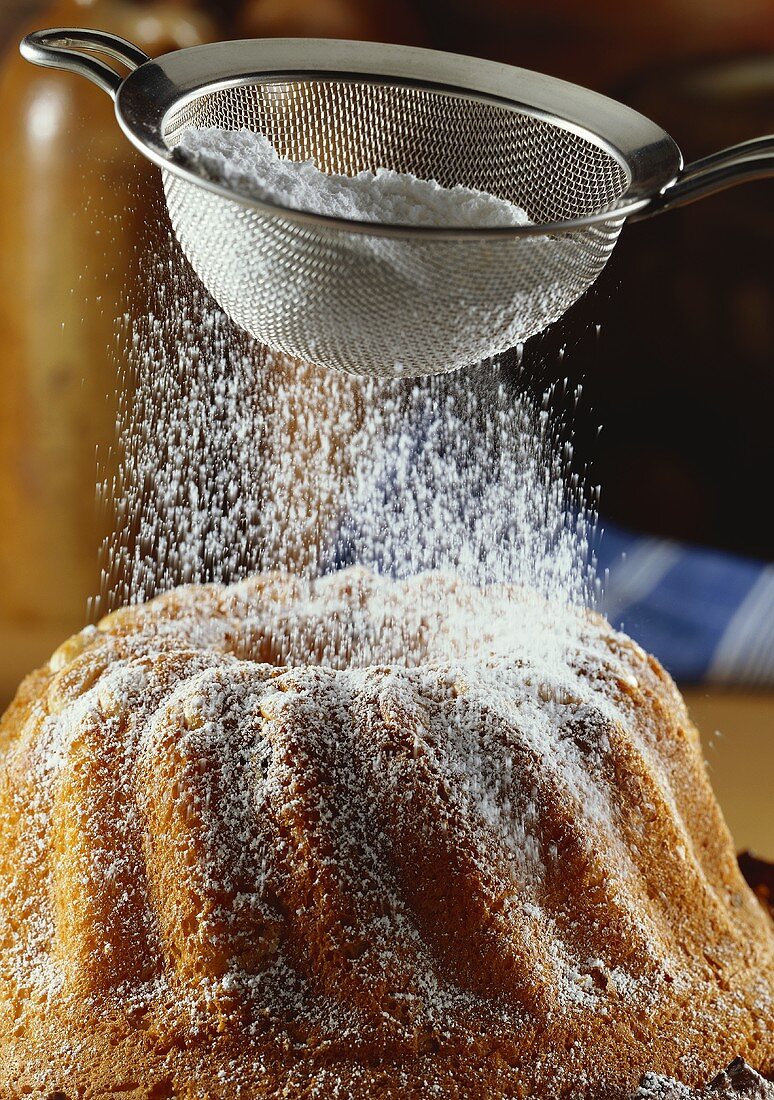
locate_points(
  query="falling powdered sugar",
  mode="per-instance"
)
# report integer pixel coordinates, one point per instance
(450, 842)
(235, 461)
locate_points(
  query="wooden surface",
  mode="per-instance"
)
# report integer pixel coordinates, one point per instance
(738, 734)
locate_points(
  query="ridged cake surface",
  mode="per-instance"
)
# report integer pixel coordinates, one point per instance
(334, 839)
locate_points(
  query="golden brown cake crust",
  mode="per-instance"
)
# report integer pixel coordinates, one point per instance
(501, 872)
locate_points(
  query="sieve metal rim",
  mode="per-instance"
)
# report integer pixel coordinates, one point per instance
(148, 96)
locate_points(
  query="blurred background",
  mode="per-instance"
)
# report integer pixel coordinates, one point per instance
(674, 346)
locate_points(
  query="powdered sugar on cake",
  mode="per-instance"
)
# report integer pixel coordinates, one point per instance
(234, 785)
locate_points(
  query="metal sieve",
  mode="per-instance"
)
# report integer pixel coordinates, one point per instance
(382, 299)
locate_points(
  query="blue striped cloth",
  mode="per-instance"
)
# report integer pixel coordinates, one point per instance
(707, 616)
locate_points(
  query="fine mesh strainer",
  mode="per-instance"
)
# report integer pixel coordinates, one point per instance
(381, 299)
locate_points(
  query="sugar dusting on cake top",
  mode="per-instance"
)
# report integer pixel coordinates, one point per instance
(279, 852)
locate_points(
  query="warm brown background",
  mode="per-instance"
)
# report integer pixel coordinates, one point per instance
(682, 375)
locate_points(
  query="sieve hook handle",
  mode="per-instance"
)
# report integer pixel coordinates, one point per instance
(70, 49)
(751, 160)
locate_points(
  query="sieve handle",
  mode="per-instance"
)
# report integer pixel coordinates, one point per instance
(751, 160)
(70, 49)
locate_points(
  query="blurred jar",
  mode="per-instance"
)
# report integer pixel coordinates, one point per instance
(74, 199)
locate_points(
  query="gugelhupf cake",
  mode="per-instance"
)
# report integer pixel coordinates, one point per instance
(330, 839)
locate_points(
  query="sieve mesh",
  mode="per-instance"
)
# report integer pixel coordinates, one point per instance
(371, 304)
